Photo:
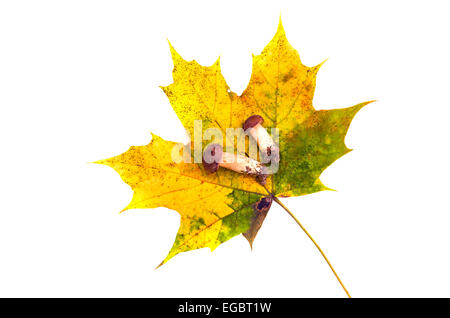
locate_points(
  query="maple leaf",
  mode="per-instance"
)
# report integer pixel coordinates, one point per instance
(216, 207)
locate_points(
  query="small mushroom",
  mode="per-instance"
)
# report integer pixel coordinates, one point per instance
(214, 157)
(253, 125)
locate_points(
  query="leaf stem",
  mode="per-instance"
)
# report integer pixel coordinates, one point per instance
(315, 243)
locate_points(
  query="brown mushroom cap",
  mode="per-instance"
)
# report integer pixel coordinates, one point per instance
(211, 158)
(252, 121)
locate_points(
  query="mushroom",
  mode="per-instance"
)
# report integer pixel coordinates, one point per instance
(214, 157)
(253, 126)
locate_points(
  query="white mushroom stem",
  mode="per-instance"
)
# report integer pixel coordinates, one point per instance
(241, 164)
(264, 140)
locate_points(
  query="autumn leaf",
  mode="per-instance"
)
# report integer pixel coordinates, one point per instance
(216, 207)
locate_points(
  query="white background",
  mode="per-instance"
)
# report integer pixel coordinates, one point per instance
(79, 82)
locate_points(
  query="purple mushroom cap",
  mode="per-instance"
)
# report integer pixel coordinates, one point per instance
(211, 157)
(252, 121)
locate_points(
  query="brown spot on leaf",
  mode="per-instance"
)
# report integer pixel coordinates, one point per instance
(263, 204)
(260, 208)
(288, 76)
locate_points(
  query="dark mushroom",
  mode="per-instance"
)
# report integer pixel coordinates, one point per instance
(253, 127)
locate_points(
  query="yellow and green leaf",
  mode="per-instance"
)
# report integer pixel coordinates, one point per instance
(217, 207)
